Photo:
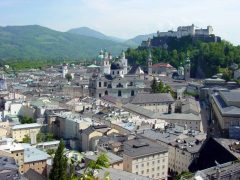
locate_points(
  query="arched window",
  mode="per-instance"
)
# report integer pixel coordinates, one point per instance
(106, 92)
(119, 93)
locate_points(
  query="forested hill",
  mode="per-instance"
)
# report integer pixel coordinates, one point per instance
(207, 58)
(35, 42)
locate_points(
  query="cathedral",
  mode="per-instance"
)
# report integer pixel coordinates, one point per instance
(116, 79)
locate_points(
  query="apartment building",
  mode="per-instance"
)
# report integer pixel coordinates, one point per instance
(226, 111)
(26, 156)
(20, 131)
(144, 157)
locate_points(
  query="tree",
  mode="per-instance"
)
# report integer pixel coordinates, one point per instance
(43, 137)
(68, 77)
(101, 162)
(154, 86)
(59, 168)
(26, 139)
(26, 120)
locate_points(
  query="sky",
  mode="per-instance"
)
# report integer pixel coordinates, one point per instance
(125, 18)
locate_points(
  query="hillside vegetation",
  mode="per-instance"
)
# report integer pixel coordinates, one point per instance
(36, 42)
(207, 59)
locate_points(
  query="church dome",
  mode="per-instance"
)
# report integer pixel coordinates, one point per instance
(116, 66)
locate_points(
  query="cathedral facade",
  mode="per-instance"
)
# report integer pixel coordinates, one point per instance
(116, 80)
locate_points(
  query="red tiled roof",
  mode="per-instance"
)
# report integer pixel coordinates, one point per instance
(166, 65)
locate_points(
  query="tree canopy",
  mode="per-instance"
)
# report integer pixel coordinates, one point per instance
(214, 55)
(59, 168)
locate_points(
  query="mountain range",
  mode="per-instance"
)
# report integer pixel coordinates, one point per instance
(37, 42)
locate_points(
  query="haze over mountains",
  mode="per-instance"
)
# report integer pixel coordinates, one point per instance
(37, 42)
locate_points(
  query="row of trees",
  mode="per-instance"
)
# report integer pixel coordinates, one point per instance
(212, 55)
(60, 166)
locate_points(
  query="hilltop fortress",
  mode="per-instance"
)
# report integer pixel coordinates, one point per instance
(187, 31)
(162, 38)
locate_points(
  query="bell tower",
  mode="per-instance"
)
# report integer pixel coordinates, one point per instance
(149, 62)
(187, 68)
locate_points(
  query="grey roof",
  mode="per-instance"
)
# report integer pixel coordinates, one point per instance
(175, 137)
(142, 147)
(32, 154)
(229, 170)
(146, 98)
(33, 175)
(224, 109)
(231, 98)
(180, 116)
(7, 163)
(139, 110)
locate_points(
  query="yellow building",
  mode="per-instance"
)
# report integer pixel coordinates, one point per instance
(20, 131)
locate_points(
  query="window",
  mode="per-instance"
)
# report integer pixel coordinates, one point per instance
(142, 172)
(105, 84)
(106, 92)
(119, 93)
(147, 170)
(99, 84)
(132, 93)
(153, 162)
(158, 161)
(136, 166)
(100, 95)
(117, 72)
(142, 165)
(152, 169)
(148, 164)
(163, 166)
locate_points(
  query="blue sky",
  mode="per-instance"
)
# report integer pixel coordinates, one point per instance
(125, 18)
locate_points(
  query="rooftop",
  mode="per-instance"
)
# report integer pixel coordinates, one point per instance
(231, 98)
(224, 108)
(152, 98)
(142, 147)
(32, 154)
(26, 126)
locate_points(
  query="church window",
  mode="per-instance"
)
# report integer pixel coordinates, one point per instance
(119, 93)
